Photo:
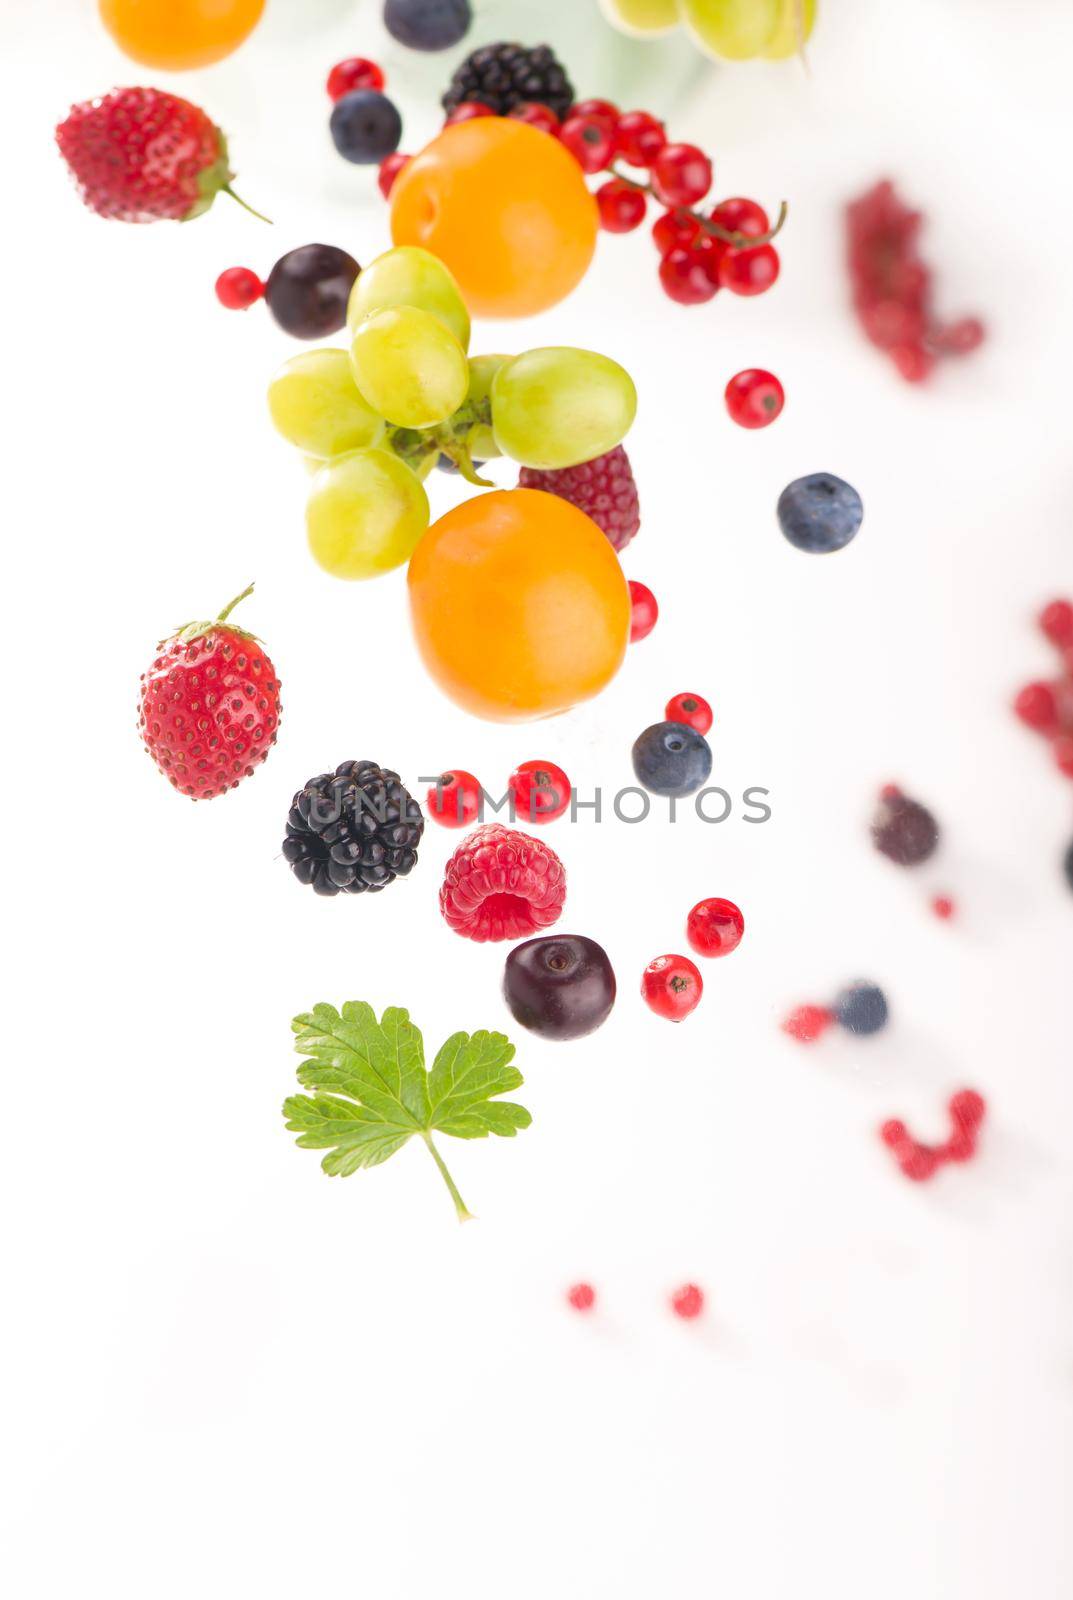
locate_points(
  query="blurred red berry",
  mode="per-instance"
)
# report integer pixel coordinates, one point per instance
(688, 1301)
(681, 175)
(590, 140)
(644, 611)
(741, 216)
(622, 207)
(1056, 620)
(238, 287)
(582, 1296)
(807, 1023)
(537, 115)
(466, 110)
(356, 72)
(1037, 707)
(389, 170)
(595, 108)
(754, 398)
(749, 271)
(639, 138)
(687, 277)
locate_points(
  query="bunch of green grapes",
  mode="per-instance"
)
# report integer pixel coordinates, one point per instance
(373, 420)
(733, 30)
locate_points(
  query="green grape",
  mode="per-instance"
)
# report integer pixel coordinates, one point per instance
(555, 407)
(409, 367)
(797, 18)
(641, 18)
(409, 276)
(365, 514)
(481, 441)
(735, 29)
(315, 404)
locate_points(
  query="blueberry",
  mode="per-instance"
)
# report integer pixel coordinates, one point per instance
(1069, 865)
(862, 1008)
(820, 513)
(672, 759)
(561, 987)
(427, 24)
(366, 126)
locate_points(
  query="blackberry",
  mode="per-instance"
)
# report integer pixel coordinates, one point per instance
(505, 75)
(352, 830)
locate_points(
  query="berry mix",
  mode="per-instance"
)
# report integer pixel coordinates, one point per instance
(402, 395)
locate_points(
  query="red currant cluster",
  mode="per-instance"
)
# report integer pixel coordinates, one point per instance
(892, 286)
(686, 1302)
(921, 1161)
(672, 986)
(728, 247)
(1047, 705)
(539, 792)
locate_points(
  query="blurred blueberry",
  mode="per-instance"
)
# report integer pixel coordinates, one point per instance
(365, 126)
(862, 1008)
(427, 24)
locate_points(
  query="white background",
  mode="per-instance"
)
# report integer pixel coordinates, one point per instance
(229, 1375)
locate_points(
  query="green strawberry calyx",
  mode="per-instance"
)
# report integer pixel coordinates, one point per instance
(215, 180)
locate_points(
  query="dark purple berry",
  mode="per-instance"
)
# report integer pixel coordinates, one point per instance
(308, 289)
(672, 759)
(862, 1008)
(560, 987)
(903, 830)
(365, 126)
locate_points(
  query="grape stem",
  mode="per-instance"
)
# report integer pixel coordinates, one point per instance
(740, 241)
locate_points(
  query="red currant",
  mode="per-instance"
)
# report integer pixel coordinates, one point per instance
(1056, 620)
(644, 611)
(356, 72)
(741, 216)
(681, 174)
(672, 987)
(967, 1109)
(686, 276)
(1037, 707)
(943, 907)
(919, 1162)
(754, 397)
(960, 1146)
(676, 229)
(539, 790)
(595, 108)
(622, 207)
(537, 116)
(639, 138)
(582, 1296)
(238, 287)
(590, 140)
(749, 271)
(389, 170)
(958, 338)
(454, 800)
(690, 709)
(688, 1301)
(912, 361)
(715, 927)
(466, 110)
(807, 1023)
(895, 1135)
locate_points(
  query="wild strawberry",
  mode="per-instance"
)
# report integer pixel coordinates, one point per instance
(210, 706)
(141, 155)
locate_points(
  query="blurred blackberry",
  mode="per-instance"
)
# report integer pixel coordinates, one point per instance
(504, 75)
(352, 830)
(903, 830)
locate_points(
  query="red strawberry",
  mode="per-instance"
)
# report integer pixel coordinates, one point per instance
(210, 706)
(140, 155)
(603, 488)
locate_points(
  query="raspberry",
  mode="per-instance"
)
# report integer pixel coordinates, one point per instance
(501, 884)
(603, 488)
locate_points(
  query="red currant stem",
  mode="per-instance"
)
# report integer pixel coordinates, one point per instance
(227, 610)
(227, 189)
(740, 241)
(464, 1215)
